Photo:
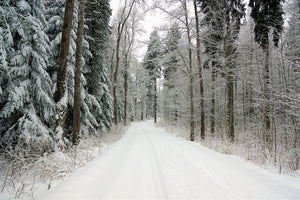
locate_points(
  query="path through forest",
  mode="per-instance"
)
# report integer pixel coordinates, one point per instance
(148, 163)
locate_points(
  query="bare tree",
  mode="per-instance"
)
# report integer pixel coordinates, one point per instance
(125, 13)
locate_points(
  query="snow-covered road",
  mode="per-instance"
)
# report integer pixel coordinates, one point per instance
(148, 163)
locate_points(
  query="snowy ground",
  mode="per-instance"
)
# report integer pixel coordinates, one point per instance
(25, 178)
(148, 163)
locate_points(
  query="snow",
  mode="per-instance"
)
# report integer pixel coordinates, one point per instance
(148, 163)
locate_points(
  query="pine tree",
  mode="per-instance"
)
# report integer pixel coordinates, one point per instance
(171, 63)
(213, 21)
(27, 111)
(226, 17)
(90, 107)
(152, 65)
(98, 83)
(267, 17)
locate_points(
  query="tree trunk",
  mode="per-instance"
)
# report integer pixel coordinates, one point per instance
(155, 100)
(200, 72)
(112, 66)
(63, 54)
(116, 79)
(78, 62)
(267, 120)
(121, 26)
(212, 110)
(230, 107)
(125, 88)
(64, 49)
(191, 78)
(230, 88)
(230, 67)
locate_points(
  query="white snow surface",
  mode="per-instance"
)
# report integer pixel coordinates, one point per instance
(148, 163)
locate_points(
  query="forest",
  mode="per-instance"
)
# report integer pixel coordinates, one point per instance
(227, 72)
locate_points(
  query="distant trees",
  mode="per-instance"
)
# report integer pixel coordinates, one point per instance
(171, 63)
(124, 16)
(245, 86)
(219, 71)
(152, 65)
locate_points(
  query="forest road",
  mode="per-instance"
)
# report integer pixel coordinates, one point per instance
(148, 163)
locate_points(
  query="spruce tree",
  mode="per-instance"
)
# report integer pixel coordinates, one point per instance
(97, 16)
(152, 65)
(213, 21)
(171, 63)
(27, 111)
(90, 105)
(223, 19)
(267, 16)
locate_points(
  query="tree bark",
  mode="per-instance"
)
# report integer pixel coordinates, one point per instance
(155, 100)
(212, 110)
(78, 63)
(191, 77)
(63, 55)
(200, 72)
(64, 49)
(116, 79)
(125, 88)
(267, 120)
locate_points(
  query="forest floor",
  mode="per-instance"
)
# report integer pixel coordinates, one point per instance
(149, 163)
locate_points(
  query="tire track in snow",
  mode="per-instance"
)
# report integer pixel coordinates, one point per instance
(188, 166)
(161, 193)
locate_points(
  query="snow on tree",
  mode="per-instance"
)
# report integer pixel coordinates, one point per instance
(98, 83)
(171, 64)
(267, 17)
(27, 111)
(89, 124)
(152, 65)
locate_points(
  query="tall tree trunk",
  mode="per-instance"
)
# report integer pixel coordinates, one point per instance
(121, 26)
(64, 50)
(191, 77)
(116, 77)
(230, 88)
(212, 110)
(155, 100)
(230, 66)
(200, 72)
(176, 109)
(112, 66)
(267, 108)
(125, 87)
(230, 107)
(78, 63)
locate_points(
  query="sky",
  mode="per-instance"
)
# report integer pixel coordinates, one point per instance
(150, 22)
